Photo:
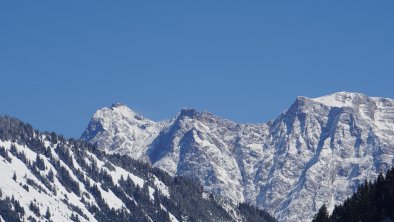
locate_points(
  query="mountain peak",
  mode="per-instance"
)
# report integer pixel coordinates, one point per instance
(188, 112)
(125, 111)
(343, 99)
(118, 104)
(197, 115)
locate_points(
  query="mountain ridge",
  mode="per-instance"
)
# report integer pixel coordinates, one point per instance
(46, 177)
(278, 165)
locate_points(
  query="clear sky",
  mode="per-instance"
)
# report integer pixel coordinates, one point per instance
(242, 60)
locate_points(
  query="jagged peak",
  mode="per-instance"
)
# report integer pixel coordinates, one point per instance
(196, 114)
(122, 110)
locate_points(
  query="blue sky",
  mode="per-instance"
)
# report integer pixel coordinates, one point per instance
(243, 60)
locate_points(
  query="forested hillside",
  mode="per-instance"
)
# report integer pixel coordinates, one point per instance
(373, 201)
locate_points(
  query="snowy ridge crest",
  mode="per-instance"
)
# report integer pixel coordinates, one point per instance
(316, 152)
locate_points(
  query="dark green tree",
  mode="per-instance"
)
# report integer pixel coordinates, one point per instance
(48, 214)
(373, 201)
(51, 176)
(322, 215)
(40, 164)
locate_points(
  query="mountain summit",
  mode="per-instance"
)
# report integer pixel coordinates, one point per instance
(119, 129)
(316, 152)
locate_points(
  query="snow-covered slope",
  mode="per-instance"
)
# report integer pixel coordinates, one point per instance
(45, 177)
(316, 152)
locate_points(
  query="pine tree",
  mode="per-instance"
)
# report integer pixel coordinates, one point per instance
(371, 202)
(322, 215)
(14, 176)
(51, 176)
(40, 163)
(48, 214)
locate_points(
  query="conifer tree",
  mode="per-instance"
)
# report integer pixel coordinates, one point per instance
(48, 214)
(322, 215)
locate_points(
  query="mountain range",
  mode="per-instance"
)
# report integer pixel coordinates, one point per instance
(46, 177)
(316, 152)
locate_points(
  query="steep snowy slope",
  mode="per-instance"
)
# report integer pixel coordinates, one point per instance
(45, 177)
(316, 152)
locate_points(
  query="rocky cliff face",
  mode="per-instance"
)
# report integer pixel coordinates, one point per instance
(316, 152)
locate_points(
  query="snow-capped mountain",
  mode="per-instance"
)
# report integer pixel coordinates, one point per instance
(118, 127)
(316, 152)
(45, 177)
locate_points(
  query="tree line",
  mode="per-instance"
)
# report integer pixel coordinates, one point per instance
(373, 201)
